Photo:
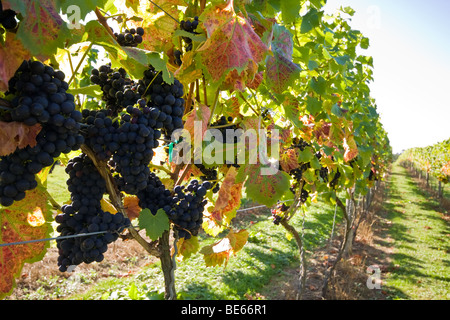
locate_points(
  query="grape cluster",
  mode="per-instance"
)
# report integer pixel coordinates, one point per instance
(39, 97)
(184, 208)
(119, 91)
(85, 215)
(130, 38)
(155, 196)
(188, 207)
(335, 180)
(209, 174)
(277, 214)
(7, 18)
(136, 140)
(189, 26)
(164, 100)
(100, 133)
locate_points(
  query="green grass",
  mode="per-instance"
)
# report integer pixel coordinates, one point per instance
(421, 241)
(267, 254)
(56, 184)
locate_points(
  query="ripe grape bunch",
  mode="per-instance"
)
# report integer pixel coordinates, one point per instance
(130, 37)
(184, 208)
(165, 101)
(100, 133)
(188, 26)
(187, 210)
(135, 140)
(278, 212)
(85, 215)
(39, 98)
(119, 91)
(7, 18)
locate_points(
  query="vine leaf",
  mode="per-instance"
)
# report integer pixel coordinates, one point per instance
(201, 113)
(289, 160)
(24, 220)
(12, 54)
(131, 206)
(232, 50)
(350, 147)
(220, 252)
(264, 189)
(42, 31)
(158, 26)
(15, 135)
(228, 200)
(280, 70)
(187, 248)
(154, 225)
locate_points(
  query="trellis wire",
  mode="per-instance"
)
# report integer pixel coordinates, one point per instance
(98, 232)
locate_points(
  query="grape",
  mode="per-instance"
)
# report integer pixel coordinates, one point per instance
(165, 101)
(34, 103)
(119, 91)
(130, 38)
(189, 26)
(85, 215)
(8, 19)
(136, 140)
(187, 208)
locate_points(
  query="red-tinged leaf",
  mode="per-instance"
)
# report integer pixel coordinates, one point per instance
(200, 115)
(42, 30)
(265, 188)
(12, 54)
(289, 160)
(229, 198)
(232, 45)
(24, 220)
(254, 83)
(15, 135)
(131, 206)
(187, 248)
(219, 253)
(281, 71)
(351, 150)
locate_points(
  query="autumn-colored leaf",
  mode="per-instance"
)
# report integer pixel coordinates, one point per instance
(42, 30)
(188, 71)
(281, 70)
(264, 188)
(219, 253)
(15, 135)
(131, 206)
(289, 160)
(232, 46)
(351, 150)
(186, 248)
(24, 220)
(12, 54)
(198, 116)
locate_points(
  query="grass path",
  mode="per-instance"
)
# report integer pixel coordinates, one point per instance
(421, 240)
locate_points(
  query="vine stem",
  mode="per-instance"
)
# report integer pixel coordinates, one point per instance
(80, 63)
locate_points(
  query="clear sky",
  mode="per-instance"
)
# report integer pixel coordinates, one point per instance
(410, 44)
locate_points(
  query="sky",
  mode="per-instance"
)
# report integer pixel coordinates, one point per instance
(410, 44)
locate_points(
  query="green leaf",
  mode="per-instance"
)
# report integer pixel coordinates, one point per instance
(313, 105)
(92, 90)
(312, 65)
(319, 85)
(290, 10)
(154, 225)
(306, 155)
(310, 21)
